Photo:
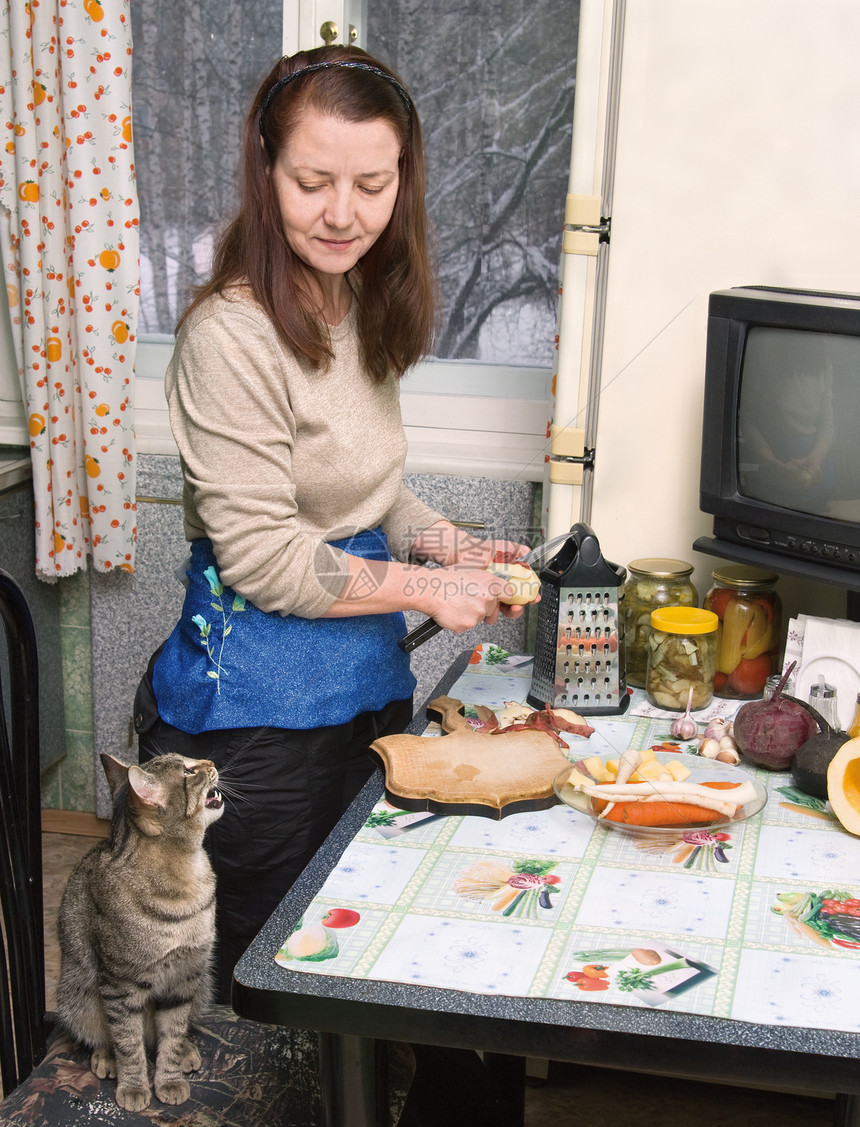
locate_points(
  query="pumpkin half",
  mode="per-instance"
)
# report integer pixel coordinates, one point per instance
(843, 785)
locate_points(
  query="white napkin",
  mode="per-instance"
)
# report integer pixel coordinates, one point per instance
(720, 707)
(830, 648)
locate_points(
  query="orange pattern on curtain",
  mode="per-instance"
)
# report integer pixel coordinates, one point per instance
(69, 242)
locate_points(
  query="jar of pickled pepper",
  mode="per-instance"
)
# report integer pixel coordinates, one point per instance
(745, 601)
(682, 654)
(651, 583)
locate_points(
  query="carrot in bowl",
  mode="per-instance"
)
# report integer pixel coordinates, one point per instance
(659, 814)
(654, 813)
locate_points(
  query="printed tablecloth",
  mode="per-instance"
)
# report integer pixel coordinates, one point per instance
(759, 923)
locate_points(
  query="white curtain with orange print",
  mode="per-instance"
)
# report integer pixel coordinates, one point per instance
(69, 243)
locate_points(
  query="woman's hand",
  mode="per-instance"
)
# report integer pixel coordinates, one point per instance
(459, 598)
(445, 544)
(464, 593)
(460, 593)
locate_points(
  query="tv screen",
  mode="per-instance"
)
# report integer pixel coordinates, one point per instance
(799, 402)
(780, 469)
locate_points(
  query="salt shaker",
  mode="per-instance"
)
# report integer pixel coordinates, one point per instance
(822, 697)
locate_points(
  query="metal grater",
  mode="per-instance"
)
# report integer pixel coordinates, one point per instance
(579, 653)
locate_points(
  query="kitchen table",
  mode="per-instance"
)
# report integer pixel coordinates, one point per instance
(764, 995)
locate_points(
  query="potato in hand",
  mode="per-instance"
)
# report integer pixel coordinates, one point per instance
(524, 581)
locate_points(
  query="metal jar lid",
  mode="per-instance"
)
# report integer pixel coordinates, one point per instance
(661, 569)
(744, 576)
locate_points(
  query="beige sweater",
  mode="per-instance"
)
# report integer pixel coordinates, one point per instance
(279, 457)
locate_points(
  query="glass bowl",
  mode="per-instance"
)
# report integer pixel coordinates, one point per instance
(701, 770)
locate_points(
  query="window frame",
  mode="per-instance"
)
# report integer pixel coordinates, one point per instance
(465, 433)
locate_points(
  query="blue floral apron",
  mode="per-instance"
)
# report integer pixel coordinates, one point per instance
(228, 664)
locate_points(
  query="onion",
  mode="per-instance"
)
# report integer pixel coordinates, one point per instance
(769, 732)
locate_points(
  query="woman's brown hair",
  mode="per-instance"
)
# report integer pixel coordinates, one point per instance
(395, 287)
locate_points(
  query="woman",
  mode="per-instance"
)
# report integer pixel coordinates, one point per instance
(283, 400)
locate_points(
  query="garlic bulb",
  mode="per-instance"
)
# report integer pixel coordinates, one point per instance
(685, 727)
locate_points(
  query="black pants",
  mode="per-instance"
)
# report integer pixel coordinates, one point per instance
(284, 791)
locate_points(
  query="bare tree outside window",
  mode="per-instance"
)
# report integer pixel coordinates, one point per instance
(494, 82)
(196, 67)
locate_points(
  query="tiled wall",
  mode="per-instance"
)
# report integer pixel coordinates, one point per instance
(70, 783)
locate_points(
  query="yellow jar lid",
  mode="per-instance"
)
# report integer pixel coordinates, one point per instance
(684, 620)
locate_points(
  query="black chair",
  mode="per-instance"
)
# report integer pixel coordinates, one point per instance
(251, 1074)
(22, 1001)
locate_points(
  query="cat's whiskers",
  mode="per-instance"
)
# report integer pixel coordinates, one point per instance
(234, 790)
(231, 789)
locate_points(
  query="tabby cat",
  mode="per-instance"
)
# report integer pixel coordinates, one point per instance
(136, 928)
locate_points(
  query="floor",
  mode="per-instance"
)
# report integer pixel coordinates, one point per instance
(570, 1095)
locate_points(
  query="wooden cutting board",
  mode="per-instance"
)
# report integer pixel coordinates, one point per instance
(469, 772)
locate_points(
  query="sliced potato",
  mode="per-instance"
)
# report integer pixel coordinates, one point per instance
(678, 770)
(595, 767)
(652, 769)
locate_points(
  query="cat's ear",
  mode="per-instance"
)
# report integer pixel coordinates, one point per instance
(144, 786)
(116, 772)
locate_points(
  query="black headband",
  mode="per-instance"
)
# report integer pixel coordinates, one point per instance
(282, 82)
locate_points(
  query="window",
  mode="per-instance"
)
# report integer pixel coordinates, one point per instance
(191, 91)
(496, 101)
(495, 93)
(497, 110)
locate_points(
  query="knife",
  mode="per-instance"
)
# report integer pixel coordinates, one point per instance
(429, 627)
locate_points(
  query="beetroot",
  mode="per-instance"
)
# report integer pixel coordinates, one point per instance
(769, 732)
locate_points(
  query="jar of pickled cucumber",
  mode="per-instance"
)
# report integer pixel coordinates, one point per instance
(651, 583)
(682, 655)
(745, 601)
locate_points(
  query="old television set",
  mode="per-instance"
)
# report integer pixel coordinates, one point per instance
(780, 468)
